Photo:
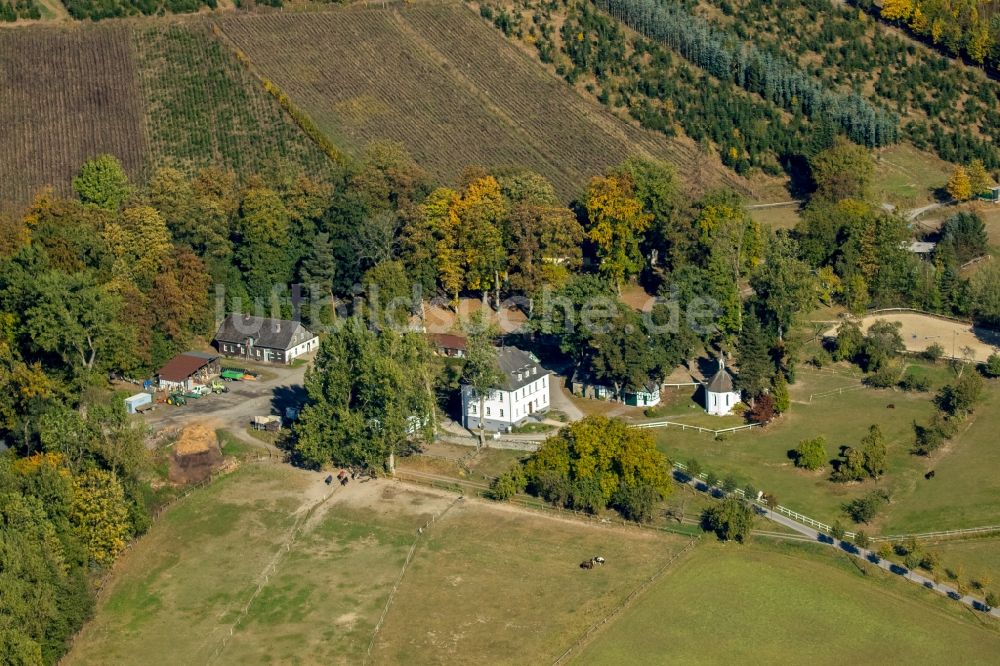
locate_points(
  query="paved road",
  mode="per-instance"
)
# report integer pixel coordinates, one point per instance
(863, 554)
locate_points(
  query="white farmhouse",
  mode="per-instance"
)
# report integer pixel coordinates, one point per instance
(720, 393)
(525, 391)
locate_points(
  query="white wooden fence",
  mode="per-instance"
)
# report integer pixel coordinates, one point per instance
(688, 426)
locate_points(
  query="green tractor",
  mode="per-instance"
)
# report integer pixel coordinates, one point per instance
(176, 398)
(219, 387)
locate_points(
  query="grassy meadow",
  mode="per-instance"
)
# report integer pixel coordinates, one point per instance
(962, 494)
(789, 603)
(269, 565)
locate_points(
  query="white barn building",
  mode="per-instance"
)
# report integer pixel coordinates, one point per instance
(720, 392)
(525, 391)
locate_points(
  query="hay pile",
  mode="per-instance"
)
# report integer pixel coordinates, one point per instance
(196, 454)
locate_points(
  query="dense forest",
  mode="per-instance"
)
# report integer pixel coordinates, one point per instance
(966, 28)
(12, 10)
(744, 76)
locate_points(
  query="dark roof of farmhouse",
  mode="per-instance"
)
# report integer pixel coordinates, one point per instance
(184, 365)
(269, 333)
(519, 367)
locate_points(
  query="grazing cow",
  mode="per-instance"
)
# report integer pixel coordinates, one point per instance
(891, 406)
(587, 564)
(929, 475)
(329, 479)
(599, 560)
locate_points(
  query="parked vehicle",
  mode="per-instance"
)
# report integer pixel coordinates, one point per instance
(176, 398)
(134, 403)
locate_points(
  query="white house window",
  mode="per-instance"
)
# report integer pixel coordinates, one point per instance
(501, 413)
(727, 400)
(472, 409)
(487, 411)
(543, 382)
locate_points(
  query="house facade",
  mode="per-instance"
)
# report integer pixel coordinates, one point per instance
(644, 396)
(264, 340)
(721, 395)
(525, 391)
(448, 344)
(585, 385)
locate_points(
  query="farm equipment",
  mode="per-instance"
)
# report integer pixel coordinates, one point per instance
(268, 423)
(193, 394)
(176, 398)
(232, 374)
(218, 387)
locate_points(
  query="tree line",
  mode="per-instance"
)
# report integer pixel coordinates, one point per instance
(963, 28)
(755, 70)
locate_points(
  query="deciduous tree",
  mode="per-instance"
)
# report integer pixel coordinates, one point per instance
(959, 185)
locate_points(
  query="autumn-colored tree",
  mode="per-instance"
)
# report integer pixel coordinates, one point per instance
(481, 213)
(433, 237)
(14, 234)
(615, 224)
(959, 185)
(139, 243)
(979, 178)
(100, 515)
(897, 10)
(545, 246)
(596, 462)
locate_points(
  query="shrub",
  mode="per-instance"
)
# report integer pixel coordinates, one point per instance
(929, 561)
(731, 519)
(864, 509)
(958, 399)
(884, 376)
(884, 550)
(750, 491)
(992, 600)
(913, 382)
(837, 530)
(763, 410)
(933, 353)
(912, 561)
(636, 503)
(711, 478)
(861, 539)
(811, 453)
(730, 483)
(849, 341)
(992, 367)
(508, 484)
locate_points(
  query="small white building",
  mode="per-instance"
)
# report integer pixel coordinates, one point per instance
(525, 392)
(720, 392)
